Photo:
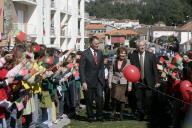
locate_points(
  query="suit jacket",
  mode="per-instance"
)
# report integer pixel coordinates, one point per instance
(90, 72)
(117, 75)
(150, 67)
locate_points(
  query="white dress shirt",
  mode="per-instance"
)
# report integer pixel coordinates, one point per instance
(92, 50)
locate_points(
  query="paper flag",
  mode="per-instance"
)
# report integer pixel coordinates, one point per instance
(159, 67)
(70, 65)
(25, 85)
(19, 105)
(21, 36)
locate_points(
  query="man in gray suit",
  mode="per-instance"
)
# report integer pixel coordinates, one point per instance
(146, 62)
(92, 78)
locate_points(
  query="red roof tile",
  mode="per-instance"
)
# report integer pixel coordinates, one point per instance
(94, 26)
(122, 32)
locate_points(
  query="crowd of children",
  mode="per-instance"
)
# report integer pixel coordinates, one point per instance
(38, 85)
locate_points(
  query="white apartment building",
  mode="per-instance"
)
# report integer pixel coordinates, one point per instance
(126, 24)
(55, 23)
(103, 21)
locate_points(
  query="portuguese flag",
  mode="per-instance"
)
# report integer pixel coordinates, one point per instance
(36, 48)
(159, 67)
(162, 60)
(177, 59)
(21, 36)
(49, 60)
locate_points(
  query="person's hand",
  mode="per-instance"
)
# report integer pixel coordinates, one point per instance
(84, 86)
(71, 50)
(129, 89)
(65, 78)
(23, 62)
(157, 85)
(10, 80)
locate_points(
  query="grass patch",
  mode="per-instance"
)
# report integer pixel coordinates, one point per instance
(81, 122)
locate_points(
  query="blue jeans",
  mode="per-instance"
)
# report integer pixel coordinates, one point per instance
(46, 115)
(36, 114)
(3, 123)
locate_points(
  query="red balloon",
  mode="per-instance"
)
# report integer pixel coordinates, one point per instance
(131, 73)
(186, 90)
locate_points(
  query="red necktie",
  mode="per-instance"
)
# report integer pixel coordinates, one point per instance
(95, 56)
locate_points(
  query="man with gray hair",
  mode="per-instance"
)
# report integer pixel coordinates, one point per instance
(146, 63)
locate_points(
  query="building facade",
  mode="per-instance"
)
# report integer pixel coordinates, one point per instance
(1, 16)
(55, 23)
(124, 24)
(95, 29)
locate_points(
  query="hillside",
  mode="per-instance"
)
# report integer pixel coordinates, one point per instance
(172, 12)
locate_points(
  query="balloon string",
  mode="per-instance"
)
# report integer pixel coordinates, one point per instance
(166, 95)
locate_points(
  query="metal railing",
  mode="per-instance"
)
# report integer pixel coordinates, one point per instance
(52, 31)
(79, 32)
(62, 32)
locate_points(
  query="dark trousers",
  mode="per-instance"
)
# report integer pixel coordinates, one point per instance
(70, 99)
(144, 100)
(107, 92)
(94, 94)
(61, 105)
(132, 101)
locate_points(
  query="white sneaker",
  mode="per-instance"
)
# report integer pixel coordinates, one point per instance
(50, 124)
(64, 116)
(66, 121)
(55, 122)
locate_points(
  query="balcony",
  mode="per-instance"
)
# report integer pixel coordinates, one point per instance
(53, 5)
(29, 29)
(69, 11)
(64, 10)
(65, 33)
(52, 31)
(62, 33)
(79, 32)
(26, 2)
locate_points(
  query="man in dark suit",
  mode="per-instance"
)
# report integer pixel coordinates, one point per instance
(92, 78)
(146, 62)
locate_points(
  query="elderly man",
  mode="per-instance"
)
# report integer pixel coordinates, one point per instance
(146, 62)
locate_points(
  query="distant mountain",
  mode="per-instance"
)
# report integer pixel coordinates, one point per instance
(172, 12)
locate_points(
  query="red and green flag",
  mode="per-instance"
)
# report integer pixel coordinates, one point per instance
(36, 48)
(162, 60)
(177, 59)
(159, 67)
(163, 75)
(70, 65)
(171, 66)
(49, 60)
(21, 36)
